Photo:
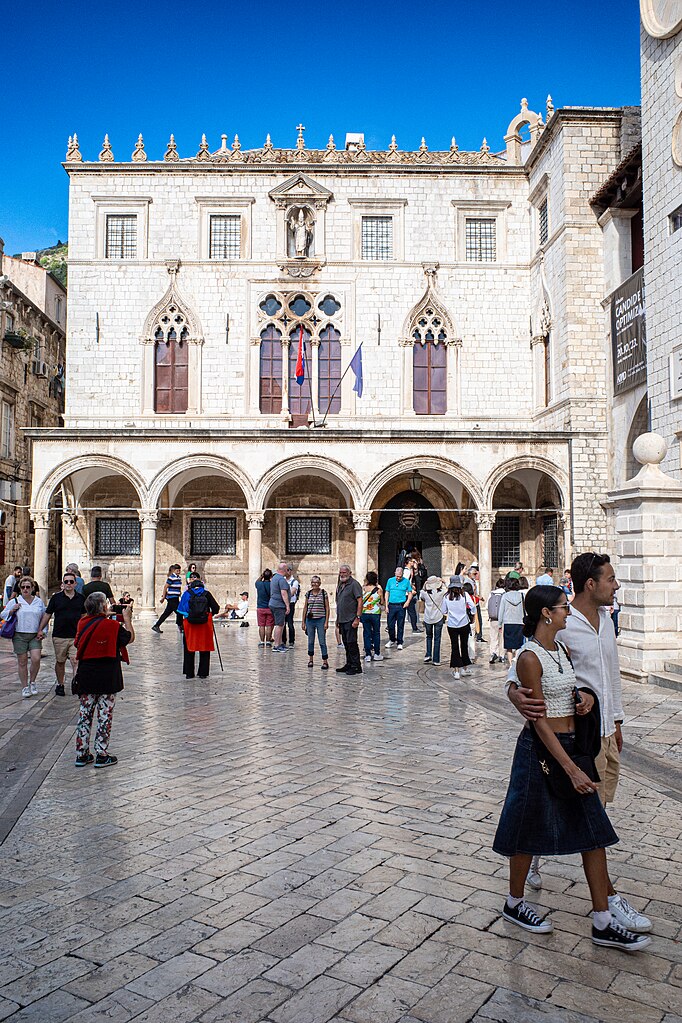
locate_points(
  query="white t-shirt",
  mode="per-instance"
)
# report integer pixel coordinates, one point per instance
(242, 608)
(29, 615)
(10, 583)
(294, 589)
(456, 610)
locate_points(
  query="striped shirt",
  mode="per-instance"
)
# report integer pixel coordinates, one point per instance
(316, 604)
(173, 587)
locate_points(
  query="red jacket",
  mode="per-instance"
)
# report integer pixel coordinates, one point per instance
(97, 637)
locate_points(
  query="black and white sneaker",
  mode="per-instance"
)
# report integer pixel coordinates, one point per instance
(526, 917)
(615, 936)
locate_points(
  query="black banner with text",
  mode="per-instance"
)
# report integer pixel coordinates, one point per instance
(628, 334)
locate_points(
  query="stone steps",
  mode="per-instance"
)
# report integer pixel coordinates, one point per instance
(669, 678)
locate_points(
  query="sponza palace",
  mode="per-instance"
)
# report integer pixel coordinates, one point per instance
(474, 282)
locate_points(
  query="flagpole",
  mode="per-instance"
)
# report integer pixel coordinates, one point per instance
(324, 420)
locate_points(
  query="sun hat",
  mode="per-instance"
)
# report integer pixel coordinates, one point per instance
(455, 581)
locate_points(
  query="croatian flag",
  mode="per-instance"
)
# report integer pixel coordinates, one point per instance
(356, 366)
(300, 363)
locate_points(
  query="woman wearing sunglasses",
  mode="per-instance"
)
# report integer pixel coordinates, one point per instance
(29, 610)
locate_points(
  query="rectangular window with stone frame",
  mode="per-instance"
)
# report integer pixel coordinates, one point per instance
(543, 221)
(377, 238)
(481, 240)
(117, 537)
(213, 537)
(506, 540)
(121, 236)
(225, 236)
(6, 429)
(308, 535)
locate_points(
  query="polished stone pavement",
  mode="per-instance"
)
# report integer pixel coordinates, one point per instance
(288, 845)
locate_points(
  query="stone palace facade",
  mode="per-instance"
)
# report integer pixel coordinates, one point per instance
(473, 281)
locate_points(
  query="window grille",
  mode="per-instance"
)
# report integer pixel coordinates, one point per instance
(309, 536)
(543, 222)
(506, 540)
(121, 236)
(676, 220)
(550, 541)
(481, 241)
(117, 536)
(213, 536)
(226, 236)
(377, 237)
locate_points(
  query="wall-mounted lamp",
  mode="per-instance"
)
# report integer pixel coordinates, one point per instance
(416, 480)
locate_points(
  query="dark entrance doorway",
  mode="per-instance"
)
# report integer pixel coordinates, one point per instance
(408, 522)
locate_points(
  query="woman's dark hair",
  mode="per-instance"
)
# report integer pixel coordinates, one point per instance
(267, 575)
(512, 584)
(587, 566)
(537, 598)
(459, 569)
(454, 592)
(499, 585)
(468, 588)
(372, 579)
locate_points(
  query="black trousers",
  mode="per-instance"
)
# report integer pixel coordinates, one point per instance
(289, 625)
(479, 623)
(459, 643)
(188, 662)
(170, 608)
(349, 635)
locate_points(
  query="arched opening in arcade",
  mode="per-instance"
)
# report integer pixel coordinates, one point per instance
(529, 523)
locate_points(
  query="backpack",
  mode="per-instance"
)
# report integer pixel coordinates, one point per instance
(494, 605)
(198, 608)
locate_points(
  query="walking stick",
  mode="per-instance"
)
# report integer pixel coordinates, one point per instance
(215, 636)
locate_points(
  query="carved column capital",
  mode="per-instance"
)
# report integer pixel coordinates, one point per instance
(449, 536)
(362, 518)
(40, 518)
(255, 518)
(148, 517)
(485, 520)
(70, 517)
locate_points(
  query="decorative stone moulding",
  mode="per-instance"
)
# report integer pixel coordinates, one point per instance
(107, 155)
(661, 18)
(73, 153)
(171, 154)
(677, 140)
(139, 155)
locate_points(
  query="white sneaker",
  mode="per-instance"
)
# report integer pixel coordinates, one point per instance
(400, 646)
(467, 671)
(26, 692)
(378, 657)
(34, 689)
(534, 878)
(387, 646)
(426, 660)
(455, 674)
(368, 659)
(627, 916)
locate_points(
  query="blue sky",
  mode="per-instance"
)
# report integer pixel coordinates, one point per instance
(437, 69)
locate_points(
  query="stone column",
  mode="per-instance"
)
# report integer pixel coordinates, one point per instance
(314, 369)
(41, 549)
(485, 521)
(148, 521)
(648, 512)
(374, 536)
(449, 551)
(537, 347)
(255, 520)
(361, 521)
(565, 552)
(285, 414)
(148, 354)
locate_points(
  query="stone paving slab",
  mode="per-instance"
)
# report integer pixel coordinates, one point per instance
(282, 845)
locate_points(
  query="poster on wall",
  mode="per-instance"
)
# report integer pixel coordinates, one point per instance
(628, 334)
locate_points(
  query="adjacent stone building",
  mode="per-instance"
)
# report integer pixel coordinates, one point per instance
(32, 361)
(473, 282)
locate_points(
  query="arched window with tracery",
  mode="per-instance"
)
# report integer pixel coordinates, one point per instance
(270, 399)
(430, 364)
(299, 394)
(329, 363)
(171, 362)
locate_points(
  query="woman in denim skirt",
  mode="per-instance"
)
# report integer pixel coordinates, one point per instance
(534, 820)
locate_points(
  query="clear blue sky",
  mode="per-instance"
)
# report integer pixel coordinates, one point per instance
(435, 69)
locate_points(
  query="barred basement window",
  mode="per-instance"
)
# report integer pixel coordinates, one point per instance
(309, 536)
(550, 541)
(377, 237)
(226, 236)
(506, 540)
(117, 536)
(676, 220)
(481, 244)
(543, 221)
(121, 240)
(213, 536)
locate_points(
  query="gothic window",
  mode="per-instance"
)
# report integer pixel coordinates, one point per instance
(543, 221)
(329, 370)
(117, 537)
(171, 362)
(481, 242)
(377, 238)
(429, 364)
(225, 236)
(299, 394)
(271, 370)
(121, 236)
(506, 540)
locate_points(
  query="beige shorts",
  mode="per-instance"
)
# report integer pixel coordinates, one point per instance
(608, 767)
(64, 648)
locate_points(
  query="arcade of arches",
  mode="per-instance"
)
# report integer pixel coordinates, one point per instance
(314, 517)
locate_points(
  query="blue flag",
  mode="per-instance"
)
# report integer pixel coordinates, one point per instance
(356, 366)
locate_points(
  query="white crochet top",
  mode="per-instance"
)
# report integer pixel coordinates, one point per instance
(557, 686)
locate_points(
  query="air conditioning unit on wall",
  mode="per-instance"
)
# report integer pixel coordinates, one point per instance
(39, 368)
(10, 490)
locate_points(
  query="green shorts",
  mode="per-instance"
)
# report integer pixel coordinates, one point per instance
(25, 641)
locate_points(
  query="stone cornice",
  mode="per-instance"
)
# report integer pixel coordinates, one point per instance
(170, 435)
(349, 169)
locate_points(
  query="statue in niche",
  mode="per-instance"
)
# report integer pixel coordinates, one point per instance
(300, 235)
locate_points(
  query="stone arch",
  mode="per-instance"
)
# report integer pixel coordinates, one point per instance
(306, 465)
(526, 118)
(190, 466)
(171, 302)
(109, 465)
(440, 466)
(543, 465)
(429, 306)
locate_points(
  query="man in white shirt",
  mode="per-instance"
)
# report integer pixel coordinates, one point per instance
(546, 577)
(591, 639)
(11, 583)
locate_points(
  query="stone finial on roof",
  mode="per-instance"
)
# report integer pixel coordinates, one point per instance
(485, 148)
(454, 148)
(393, 145)
(73, 153)
(300, 141)
(268, 149)
(550, 107)
(107, 155)
(236, 150)
(139, 155)
(203, 153)
(423, 147)
(331, 144)
(268, 143)
(171, 154)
